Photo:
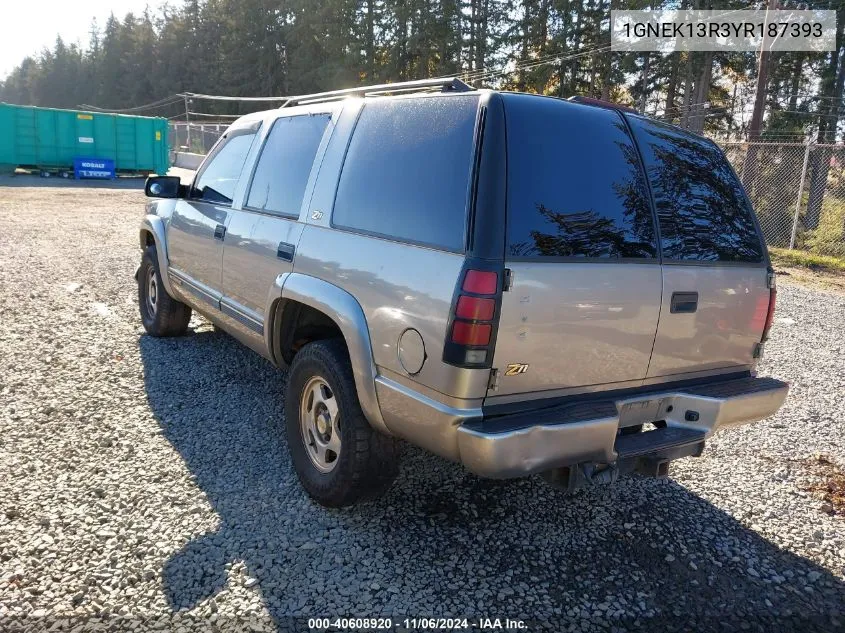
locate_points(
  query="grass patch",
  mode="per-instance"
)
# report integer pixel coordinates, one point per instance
(803, 259)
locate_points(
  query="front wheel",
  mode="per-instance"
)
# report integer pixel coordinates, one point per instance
(338, 457)
(161, 314)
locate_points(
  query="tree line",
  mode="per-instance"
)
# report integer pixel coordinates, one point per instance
(560, 47)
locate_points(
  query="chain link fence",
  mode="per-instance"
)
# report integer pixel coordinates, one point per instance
(798, 189)
(196, 138)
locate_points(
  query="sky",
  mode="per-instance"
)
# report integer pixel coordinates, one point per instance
(27, 27)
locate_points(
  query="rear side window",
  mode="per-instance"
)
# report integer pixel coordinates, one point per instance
(702, 210)
(285, 164)
(576, 188)
(407, 170)
(218, 179)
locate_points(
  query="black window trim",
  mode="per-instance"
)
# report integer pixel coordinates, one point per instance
(487, 220)
(253, 129)
(477, 152)
(763, 263)
(656, 260)
(655, 220)
(665, 261)
(271, 212)
(476, 148)
(583, 260)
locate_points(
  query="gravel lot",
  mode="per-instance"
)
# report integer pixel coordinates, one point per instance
(143, 486)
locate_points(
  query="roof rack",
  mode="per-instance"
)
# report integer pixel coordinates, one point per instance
(601, 103)
(448, 84)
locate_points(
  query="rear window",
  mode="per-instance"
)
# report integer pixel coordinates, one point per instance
(407, 171)
(703, 212)
(576, 188)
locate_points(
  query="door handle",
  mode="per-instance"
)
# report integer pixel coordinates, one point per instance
(684, 302)
(219, 232)
(285, 251)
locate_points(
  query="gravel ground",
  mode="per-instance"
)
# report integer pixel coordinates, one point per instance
(142, 484)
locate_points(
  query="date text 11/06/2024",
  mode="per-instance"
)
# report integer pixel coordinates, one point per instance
(415, 624)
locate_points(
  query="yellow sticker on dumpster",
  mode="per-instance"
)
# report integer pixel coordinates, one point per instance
(85, 117)
(158, 135)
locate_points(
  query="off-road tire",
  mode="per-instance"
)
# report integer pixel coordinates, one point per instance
(368, 461)
(169, 317)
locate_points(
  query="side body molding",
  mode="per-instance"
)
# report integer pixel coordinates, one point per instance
(154, 225)
(343, 308)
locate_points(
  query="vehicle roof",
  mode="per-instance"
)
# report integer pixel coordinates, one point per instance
(331, 105)
(625, 111)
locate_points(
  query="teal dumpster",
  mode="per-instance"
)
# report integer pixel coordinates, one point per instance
(49, 139)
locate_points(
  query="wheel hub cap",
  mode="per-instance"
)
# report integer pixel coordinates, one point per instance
(320, 424)
(152, 291)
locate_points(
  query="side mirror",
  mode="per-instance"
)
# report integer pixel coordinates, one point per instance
(163, 187)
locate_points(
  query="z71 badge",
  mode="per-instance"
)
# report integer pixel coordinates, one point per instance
(514, 369)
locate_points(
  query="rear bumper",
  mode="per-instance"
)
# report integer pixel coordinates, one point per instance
(512, 446)
(541, 440)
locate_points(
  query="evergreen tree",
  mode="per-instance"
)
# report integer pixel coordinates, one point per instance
(556, 47)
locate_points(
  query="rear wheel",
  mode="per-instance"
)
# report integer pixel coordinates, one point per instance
(161, 314)
(339, 458)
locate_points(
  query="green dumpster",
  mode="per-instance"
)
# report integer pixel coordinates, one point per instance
(49, 139)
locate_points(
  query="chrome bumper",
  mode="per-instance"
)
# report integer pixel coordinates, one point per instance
(511, 448)
(527, 443)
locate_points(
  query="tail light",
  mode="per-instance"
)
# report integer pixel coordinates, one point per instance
(761, 311)
(472, 322)
(770, 314)
(475, 309)
(464, 333)
(765, 312)
(481, 282)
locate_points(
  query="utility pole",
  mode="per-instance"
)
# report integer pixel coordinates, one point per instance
(749, 167)
(644, 99)
(762, 80)
(285, 85)
(187, 123)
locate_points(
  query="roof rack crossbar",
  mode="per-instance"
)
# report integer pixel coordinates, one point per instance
(449, 84)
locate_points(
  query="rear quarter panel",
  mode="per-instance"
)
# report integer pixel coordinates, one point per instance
(398, 286)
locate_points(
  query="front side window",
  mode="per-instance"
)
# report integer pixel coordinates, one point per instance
(703, 212)
(407, 170)
(285, 164)
(218, 179)
(576, 188)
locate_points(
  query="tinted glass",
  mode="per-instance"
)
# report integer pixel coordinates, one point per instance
(702, 210)
(285, 164)
(219, 178)
(575, 184)
(407, 170)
